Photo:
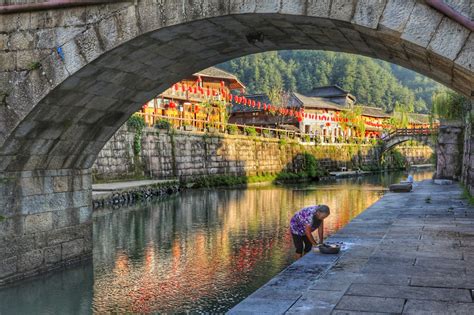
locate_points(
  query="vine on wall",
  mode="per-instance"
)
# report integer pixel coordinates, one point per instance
(137, 123)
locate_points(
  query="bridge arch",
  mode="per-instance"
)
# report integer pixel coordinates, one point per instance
(60, 113)
(69, 78)
(399, 136)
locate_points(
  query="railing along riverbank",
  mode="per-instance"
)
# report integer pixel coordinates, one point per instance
(197, 125)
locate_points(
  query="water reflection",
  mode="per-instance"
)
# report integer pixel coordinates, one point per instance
(207, 250)
(201, 251)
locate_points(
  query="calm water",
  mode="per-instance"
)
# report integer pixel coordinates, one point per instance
(202, 251)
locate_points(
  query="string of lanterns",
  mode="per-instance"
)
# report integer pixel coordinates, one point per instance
(242, 100)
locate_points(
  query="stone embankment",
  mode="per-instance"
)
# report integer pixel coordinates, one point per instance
(408, 253)
(116, 195)
(185, 155)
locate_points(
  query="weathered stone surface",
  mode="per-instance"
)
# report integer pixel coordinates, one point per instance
(342, 9)
(39, 222)
(448, 39)
(422, 25)
(30, 260)
(396, 14)
(52, 254)
(370, 304)
(368, 12)
(72, 249)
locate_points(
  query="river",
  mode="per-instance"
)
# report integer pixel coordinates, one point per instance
(199, 251)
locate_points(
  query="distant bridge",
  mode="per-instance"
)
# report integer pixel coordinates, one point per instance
(402, 135)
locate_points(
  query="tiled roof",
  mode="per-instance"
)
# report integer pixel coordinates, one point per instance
(374, 112)
(419, 118)
(214, 72)
(329, 91)
(316, 102)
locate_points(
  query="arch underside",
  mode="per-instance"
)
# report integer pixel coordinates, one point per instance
(427, 140)
(102, 83)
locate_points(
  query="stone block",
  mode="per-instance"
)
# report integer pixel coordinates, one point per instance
(30, 260)
(52, 254)
(466, 55)
(342, 10)
(396, 14)
(370, 304)
(448, 39)
(38, 222)
(421, 25)
(8, 267)
(62, 184)
(407, 292)
(72, 249)
(22, 41)
(414, 306)
(368, 12)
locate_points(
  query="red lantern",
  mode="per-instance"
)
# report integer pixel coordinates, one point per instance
(259, 105)
(254, 104)
(145, 106)
(208, 92)
(183, 87)
(230, 97)
(196, 109)
(176, 87)
(328, 124)
(195, 90)
(199, 79)
(249, 102)
(222, 84)
(172, 105)
(300, 119)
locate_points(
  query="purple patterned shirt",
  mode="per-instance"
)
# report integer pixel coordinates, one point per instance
(302, 218)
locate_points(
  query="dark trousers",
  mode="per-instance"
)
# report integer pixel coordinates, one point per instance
(301, 243)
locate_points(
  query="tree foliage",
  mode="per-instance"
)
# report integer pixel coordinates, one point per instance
(373, 82)
(449, 105)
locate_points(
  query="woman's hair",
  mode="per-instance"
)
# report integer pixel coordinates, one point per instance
(323, 209)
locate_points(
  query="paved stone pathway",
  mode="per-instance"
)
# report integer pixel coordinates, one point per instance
(409, 253)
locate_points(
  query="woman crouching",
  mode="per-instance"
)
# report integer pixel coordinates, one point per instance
(303, 223)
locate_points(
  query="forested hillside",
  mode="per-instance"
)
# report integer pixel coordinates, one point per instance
(373, 82)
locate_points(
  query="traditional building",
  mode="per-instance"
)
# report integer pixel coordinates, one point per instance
(333, 94)
(259, 117)
(196, 100)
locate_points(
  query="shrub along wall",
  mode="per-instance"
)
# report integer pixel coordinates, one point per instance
(171, 154)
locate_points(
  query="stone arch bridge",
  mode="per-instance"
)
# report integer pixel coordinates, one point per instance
(72, 72)
(399, 136)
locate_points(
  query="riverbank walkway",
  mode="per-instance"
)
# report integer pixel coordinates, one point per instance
(106, 188)
(410, 253)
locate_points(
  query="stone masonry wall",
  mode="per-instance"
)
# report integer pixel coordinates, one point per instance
(185, 155)
(449, 150)
(45, 221)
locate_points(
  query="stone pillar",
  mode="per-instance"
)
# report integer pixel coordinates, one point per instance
(46, 221)
(449, 150)
(467, 176)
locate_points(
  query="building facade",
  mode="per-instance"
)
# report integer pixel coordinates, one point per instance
(194, 101)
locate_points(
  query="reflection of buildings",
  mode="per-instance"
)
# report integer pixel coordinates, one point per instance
(199, 97)
(181, 253)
